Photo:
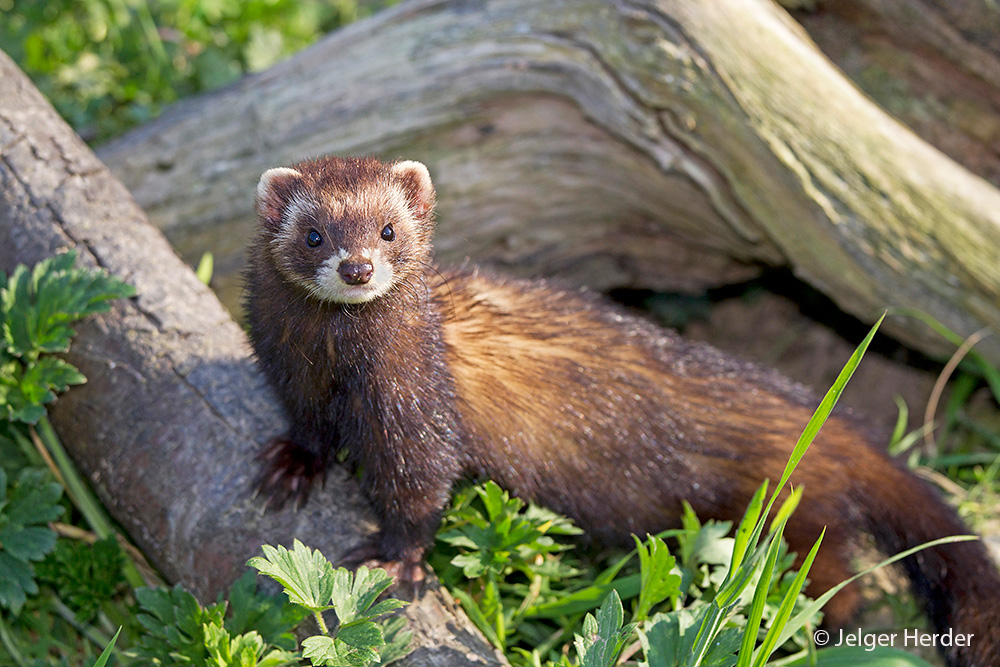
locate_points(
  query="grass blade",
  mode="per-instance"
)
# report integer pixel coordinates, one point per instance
(102, 659)
(793, 626)
(778, 623)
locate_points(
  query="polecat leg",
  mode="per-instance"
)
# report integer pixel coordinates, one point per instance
(288, 473)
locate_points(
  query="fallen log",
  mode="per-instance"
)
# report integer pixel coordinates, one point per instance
(174, 411)
(665, 144)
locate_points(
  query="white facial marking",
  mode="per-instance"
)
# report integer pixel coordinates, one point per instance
(299, 206)
(384, 273)
(329, 286)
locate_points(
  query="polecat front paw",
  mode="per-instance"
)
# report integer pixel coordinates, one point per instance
(288, 473)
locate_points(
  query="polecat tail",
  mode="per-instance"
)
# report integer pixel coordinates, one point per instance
(958, 582)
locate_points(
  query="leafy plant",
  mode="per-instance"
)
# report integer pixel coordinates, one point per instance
(89, 584)
(604, 635)
(87, 576)
(179, 630)
(37, 307)
(109, 64)
(508, 550)
(271, 616)
(312, 582)
(26, 507)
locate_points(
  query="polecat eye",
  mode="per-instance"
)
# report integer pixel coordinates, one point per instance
(388, 234)
(313, 239)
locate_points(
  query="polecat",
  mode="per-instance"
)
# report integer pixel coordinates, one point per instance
(562, 398)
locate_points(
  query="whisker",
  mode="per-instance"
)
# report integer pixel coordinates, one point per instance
(446, 284)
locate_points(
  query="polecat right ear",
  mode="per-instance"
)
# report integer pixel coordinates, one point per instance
(417, 181)
(273, 191)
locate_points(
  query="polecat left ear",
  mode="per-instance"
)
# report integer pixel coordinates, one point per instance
(417, 181)
(273, 191)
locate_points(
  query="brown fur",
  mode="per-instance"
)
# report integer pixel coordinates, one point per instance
(563, 399)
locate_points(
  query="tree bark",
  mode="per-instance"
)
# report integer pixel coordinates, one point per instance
(934, 65)
(666, 144)
(174, 410)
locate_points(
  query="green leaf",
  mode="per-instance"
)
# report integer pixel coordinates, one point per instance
(180, 631)
(38, 306)
(206, 266)
(657, 581)
(31, 543)
(770, 643)
(385, 607)
(476, 615)
(321, 650)
(22, 401)
(17, 581)
(722, 652)
(25, 510)
(668, 639)
(272, 616)
(52, 373)
(826, 407)
(175, 626)
(307, 577)
(102, 659)
(760, 598)
(353, 595)
(473, 565)
(37, 309)
(604, 635)
(587, 598)
(331, 652)
(224, 650)
(361, 635)
(742, 541)
(33, 499)
(549, 522)
(397, 640)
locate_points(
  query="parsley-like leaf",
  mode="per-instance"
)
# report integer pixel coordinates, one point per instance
(37, 308)
(25, 510)
(311, 581)
(308, 577)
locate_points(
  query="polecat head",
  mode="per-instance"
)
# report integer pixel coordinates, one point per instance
(347, 229)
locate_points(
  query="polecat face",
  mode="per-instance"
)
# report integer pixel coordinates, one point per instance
(347, 230)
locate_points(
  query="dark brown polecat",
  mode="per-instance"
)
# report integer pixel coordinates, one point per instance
(562, 398)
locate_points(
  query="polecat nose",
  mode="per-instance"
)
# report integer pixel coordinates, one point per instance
(355, 272)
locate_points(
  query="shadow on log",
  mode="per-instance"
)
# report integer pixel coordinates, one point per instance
(174, 410)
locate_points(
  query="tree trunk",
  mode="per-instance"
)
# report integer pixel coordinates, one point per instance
(665, 144)
(174, 410)
(934, 65)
